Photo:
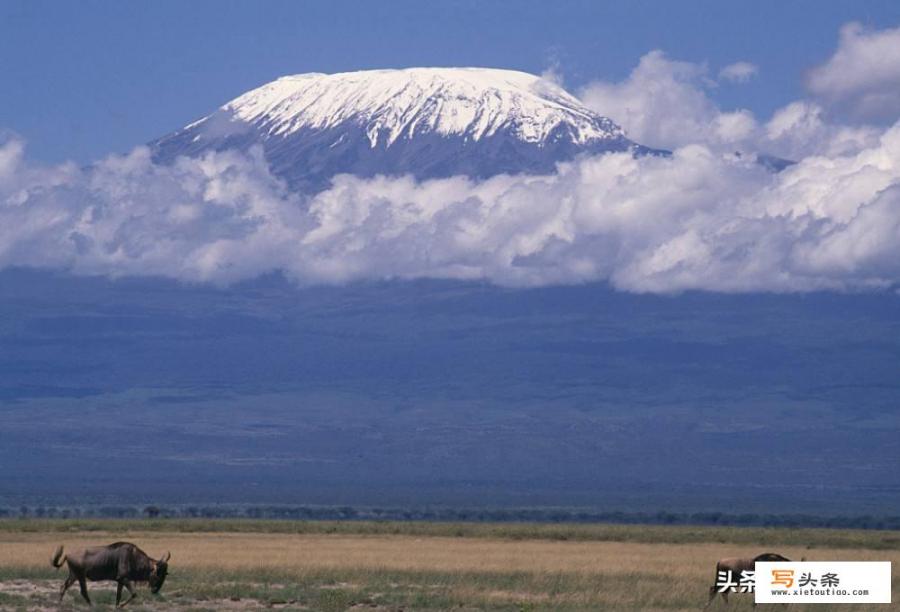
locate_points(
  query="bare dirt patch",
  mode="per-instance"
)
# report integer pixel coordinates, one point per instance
(42, 595)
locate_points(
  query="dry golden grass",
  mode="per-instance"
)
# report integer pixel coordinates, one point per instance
(428, 572)
(405, 553)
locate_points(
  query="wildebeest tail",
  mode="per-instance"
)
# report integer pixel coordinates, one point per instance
(58, 558)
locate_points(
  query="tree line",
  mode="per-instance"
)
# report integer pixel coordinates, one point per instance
(483, 515)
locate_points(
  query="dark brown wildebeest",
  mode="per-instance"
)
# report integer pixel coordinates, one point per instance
(738, 565)
(123, 562)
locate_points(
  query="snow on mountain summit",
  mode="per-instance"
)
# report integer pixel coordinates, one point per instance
(427, 122)
(472, 102)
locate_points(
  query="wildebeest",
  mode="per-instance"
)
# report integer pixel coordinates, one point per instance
(123, 562)
(737, 565)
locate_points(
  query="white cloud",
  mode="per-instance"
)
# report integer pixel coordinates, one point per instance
(697, 220)
(863, 75)
(733, 128)
(663, 103)
(739, 72)
(666, 103)
(800, 129)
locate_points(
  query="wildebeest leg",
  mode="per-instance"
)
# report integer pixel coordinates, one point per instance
(131, 594)
(118, 593)
(725, 596)
(713, 591)
(65, 587)
(82, 583)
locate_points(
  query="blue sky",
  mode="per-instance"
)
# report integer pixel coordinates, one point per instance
(88, 78)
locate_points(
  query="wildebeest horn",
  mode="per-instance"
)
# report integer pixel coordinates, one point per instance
(166, 558)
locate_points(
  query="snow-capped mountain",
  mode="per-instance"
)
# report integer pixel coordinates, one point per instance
(428, 122)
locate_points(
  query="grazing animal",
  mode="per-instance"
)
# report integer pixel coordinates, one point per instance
(123, 562)
(736, 565)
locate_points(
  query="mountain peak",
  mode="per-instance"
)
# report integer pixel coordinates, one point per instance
(427, 122)
(391, 104)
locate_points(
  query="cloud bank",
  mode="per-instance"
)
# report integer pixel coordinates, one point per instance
(697, 220)
(703, 219)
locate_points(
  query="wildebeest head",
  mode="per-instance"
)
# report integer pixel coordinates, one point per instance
(158, 573)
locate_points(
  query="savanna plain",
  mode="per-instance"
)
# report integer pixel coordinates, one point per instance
(336, 566)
